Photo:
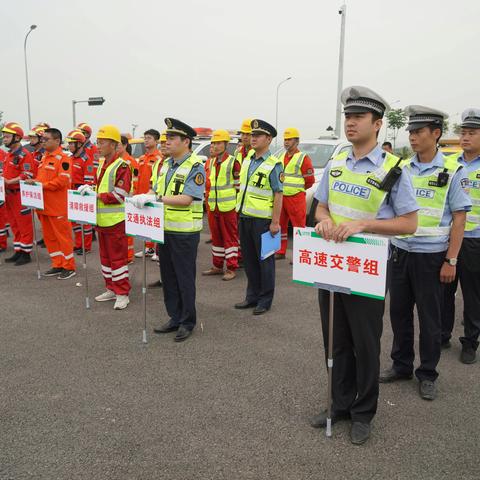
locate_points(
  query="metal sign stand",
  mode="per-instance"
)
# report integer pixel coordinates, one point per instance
(87, 296)
(35, 243)
(144, 293)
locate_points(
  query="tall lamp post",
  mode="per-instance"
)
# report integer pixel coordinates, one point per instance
(92, 101)
(276, 105)
(343, 12)
(32, 28)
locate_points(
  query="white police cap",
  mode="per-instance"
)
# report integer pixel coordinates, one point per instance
(420, 116)
(471, 118)
(358, 99)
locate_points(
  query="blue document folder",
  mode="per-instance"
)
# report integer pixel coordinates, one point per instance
(269, 244)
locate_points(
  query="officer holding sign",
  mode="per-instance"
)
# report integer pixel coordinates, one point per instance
(179, 184)
(362, 190)
(422, 263)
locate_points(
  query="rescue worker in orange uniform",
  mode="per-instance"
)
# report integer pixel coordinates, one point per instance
(145, 166)
(82, 174)
(125, 152)
(113, 181)
(89, 147)
(224, 175)
(35, 138)
(299, 177)
(3, 213)
(55, 175)
(18, 165)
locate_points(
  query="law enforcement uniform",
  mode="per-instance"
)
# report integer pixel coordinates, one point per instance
(377, 189)
(260, 178)
(417, 259)
(468, 267)
(178, 255)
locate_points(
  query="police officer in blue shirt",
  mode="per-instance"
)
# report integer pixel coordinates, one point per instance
(259, 204)
(358, 321)
(179, 184)
(468, 268)
(424, 262)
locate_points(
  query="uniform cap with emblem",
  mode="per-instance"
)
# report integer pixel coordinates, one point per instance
(75, 136)
(220, 136)
(246, 126)
(261, 126)
(177, 127)
(291, 132)
(109, 132)
(13, 128)
(471, 118)
(358, 99)
(420, 116)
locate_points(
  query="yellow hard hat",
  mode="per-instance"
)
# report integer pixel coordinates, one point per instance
(291, 132)
(246, 126)
(163, 136)
(220, 136)
(110, 132)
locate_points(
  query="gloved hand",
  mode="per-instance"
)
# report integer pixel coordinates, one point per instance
(85, 190)
(139, 201)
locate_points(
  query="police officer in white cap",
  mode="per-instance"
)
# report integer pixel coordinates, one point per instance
(424, 262)
(385, 204)
(468, 268)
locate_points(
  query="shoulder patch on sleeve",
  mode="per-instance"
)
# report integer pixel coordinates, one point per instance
(281, 177)
(90, 169)
(310, 171)
(199, 179)
(26, 167)
(135, 171)
(65, 166)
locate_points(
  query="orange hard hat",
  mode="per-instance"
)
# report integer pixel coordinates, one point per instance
(13, 128)
(37, 131)
(75, 136)
(85, 128)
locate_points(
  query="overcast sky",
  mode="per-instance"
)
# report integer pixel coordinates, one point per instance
(211, 63)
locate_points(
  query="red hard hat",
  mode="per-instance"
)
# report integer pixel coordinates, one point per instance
(13, 128)
(75, 136)
(85, 128)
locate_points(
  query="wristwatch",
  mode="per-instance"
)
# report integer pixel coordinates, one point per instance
(451, 261)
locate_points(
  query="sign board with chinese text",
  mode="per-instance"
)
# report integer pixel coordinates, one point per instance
(82, 208)
(358, 265)
(31, 195)
(146, 222)
(2, 189)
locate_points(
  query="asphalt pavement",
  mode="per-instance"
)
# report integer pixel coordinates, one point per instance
(83, 398)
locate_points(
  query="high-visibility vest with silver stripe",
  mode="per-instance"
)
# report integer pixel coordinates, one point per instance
(178, 219)
(255, 197)
(432, 199)
(293, 182)
(354, 195)
(222, 187)
(239, 157)
(109, 215)
(473, 216)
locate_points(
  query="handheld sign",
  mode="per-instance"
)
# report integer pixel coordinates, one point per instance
(357, 266)
(31, 195)
(2, 189)
(146, 222)
(82, 209)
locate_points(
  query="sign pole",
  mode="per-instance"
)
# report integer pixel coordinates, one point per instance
(330, 363)
(35, 243)
(144, 293)
(87, 296)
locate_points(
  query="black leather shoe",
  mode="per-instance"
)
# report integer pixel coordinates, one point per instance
(156, 284)
(182, 334)
(320, 420)
(391, 375)
(245, 304)
(41, 243)
(359, 433)
(446, 344)
(428, 390)
(53, 272)
(259, 310)
(166, 328)
(468, 355)
(13, 258)
(23, 259)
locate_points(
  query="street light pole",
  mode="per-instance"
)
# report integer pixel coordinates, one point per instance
(276, 106)
(343, 12)
(32, 27)
(91, 101)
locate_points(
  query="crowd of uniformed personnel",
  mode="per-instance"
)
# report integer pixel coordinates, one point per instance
(428, 204)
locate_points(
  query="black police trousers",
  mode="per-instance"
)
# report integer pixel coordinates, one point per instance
(415, 280)
(178, 261)
(357, 329)
(468, 273)
(260, 273)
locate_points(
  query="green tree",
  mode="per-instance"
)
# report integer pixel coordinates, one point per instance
(456, 128)
(446, 127)
(396, 119)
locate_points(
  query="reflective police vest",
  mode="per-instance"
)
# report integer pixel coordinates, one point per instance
(177, 218)
(255, 197)
(355, 195)
(294, 182)
(222, 187)
(109, 215)
(431, 198)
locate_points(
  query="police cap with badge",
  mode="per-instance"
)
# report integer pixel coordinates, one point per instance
(262, 127)
(471, 118)
(177, 127)
(358, 99)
